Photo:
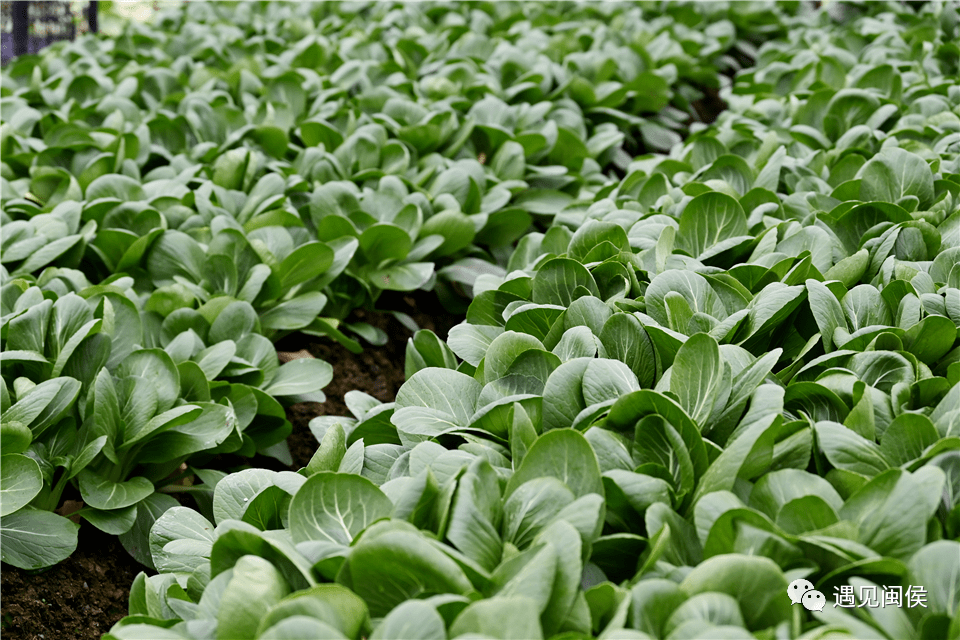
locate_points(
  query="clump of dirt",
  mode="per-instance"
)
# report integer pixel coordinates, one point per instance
(377, 371)
(78, 599)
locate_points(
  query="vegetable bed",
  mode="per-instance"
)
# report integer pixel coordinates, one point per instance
(485, 320)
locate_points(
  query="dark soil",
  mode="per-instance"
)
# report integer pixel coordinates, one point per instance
(710, 106)
(80, 598)
(83, 596)
(377, 371)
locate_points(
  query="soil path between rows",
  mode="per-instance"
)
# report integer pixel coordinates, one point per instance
(83, 596)
(377, 371)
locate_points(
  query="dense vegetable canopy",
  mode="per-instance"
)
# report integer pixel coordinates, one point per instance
(699, 361)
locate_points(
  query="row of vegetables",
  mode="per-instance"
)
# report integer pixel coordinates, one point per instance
(707, 373)
(180, 197)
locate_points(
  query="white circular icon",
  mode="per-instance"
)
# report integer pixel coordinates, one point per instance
(797, 588)
(813, 601)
